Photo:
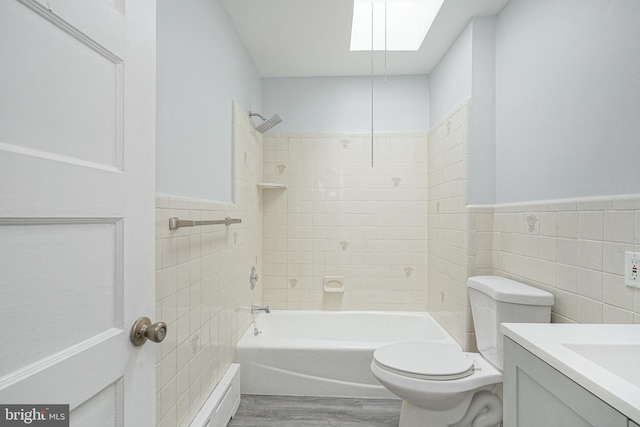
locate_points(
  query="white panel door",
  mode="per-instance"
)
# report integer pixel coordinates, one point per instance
(77, 170)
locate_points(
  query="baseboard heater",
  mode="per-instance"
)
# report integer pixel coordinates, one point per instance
(223, 402)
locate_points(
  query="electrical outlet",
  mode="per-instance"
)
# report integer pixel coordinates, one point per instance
(632, 269)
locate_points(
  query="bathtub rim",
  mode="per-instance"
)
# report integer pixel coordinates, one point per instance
(250, 341)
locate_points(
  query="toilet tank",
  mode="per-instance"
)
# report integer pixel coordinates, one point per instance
(496, 300)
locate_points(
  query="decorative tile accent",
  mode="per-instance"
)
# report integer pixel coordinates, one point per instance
(281, 167)
(339, 219)
(293, 282)
(195, 343)
(408, 271)
(532, 220)
(396, 180)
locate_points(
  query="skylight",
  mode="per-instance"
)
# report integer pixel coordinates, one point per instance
(408, 22)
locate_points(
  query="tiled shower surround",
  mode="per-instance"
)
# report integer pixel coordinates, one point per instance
(339, 216)
(378, 229)
(202, 283)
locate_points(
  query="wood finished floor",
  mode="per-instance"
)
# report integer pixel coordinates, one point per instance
(304, 411)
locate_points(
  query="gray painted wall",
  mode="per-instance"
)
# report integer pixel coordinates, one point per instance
(202, 68)
(467, 70)
(567, 99)
(343, 104)
(482, 114)
(450, 80)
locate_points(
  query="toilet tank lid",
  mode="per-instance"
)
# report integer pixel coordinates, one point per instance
(507, 290)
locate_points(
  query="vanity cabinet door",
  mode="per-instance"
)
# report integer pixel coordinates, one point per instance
(535, 394)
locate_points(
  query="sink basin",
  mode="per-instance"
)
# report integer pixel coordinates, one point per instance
(622, 360)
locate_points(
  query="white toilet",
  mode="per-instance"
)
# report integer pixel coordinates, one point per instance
(441, 385)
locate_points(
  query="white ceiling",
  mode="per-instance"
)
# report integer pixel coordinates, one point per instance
(298, 38)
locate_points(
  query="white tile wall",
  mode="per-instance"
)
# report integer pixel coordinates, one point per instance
(202, 287)
(580, 256)
(460, 238)
(341, 217)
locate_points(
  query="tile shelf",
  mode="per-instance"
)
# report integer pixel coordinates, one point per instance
(271, 185)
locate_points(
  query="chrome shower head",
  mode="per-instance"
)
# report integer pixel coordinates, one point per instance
(267, 124)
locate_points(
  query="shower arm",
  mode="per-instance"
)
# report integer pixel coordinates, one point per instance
(258, 115)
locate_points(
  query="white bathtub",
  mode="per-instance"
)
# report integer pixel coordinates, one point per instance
(325, 353)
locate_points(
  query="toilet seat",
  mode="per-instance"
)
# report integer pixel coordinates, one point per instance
(424, 360)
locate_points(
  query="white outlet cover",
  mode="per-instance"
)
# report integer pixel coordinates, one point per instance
(632, 269)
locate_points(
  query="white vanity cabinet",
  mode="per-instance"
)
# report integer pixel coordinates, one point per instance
(536, 394)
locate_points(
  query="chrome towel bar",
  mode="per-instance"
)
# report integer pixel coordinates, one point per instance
(175, 223)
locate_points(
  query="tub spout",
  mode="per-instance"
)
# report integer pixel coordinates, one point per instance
(258, 308)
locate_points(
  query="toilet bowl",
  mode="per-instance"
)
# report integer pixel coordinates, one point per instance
(436, 381)
(442, 386)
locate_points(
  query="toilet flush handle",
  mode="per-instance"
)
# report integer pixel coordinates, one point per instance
(143, 330)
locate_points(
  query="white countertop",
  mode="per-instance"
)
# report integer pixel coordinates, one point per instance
(553, 342)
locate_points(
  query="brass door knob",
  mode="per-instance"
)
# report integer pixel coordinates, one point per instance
(143, 330)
